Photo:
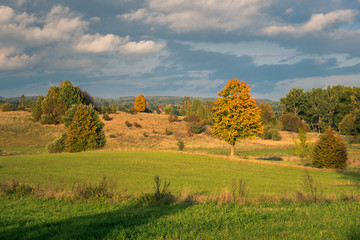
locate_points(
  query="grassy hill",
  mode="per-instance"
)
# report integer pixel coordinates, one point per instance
(279, 202)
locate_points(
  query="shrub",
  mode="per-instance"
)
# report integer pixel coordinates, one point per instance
(57, 146)
(128, 124)
(168, 131)
(271, 132)
(293, 123)
(196, 127)
(181, 144)
(7, 107)
(304, 147)
(172, 117)
(137, 125)
(161, 194)
(106, 117)
(329, 151)
(84, 130)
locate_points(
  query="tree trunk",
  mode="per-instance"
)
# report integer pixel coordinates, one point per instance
(232, 151)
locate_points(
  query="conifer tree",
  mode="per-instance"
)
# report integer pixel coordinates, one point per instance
(236, 115)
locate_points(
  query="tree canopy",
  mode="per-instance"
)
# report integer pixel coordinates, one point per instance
(236, 115)
(140, 103)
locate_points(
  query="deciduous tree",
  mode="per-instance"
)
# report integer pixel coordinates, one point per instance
(140, 103)
(236, 115)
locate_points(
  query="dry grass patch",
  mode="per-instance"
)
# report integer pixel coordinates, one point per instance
(17, 129)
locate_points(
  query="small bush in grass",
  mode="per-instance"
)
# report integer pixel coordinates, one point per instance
(161, 194)
(128, 124)
(168, 132)
(137, 125)
(15, 187)
(172, 117)
(271, 132)
(57, 146)
(303, 147)
(181, 144)
(311, 186)
(329, 151)
(106, 117)
(86, 191)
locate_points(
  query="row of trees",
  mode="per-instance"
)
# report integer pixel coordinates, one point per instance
(336, 106)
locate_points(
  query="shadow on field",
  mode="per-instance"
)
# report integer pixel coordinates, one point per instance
(122, 223)
(354, 232)
(352, 176)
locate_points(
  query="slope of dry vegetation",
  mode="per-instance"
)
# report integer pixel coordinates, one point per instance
(18, 129)
(150, 131)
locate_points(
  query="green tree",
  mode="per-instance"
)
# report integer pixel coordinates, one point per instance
(52, 110)
(140, 103)
(22, 102)
(84, 130)
(294, 101)
(267, 113)
(36, 108)
(185, 106)
(236, 115)
(303, 147)
(69, 95)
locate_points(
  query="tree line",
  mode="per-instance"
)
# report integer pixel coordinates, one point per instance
(337, 107)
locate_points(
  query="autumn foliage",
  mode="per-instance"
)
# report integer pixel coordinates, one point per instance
(140, 103)
(236, 115)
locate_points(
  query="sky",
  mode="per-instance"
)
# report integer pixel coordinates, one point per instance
(114, 48)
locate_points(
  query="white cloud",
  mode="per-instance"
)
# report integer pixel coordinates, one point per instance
(98, 43)
(189, 15)
(142, 47)
(62, 37)
(289, 11)
(6, 13)
(12, 59)
(317, 22)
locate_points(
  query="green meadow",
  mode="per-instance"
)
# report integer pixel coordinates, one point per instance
(135, 170)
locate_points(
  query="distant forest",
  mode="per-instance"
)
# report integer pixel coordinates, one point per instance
(151, 100)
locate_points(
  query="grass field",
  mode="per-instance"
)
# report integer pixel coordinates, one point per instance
(53, 219)
(136, 171)
(203, 169)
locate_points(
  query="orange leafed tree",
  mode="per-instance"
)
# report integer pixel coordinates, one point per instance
(236, 115)
(140, 103)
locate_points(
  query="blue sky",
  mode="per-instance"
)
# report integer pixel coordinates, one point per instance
(178, 48)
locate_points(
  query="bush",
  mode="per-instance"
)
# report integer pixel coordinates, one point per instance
(106, 117)
(137, 125)
(128, 124)
(271, 132)
(6, 107)
(181, 144)
(172, 117)
(195, 125)
(293, 123)
(329, 151)
(57, 146)
(304, 147)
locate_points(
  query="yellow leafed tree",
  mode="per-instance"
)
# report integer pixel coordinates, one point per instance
(236, 115)
(140, 103)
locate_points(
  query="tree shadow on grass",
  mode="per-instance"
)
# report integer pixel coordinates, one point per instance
(124, 221)
(354, 177)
